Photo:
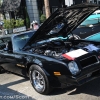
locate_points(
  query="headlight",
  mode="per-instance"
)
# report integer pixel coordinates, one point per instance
(73, 67)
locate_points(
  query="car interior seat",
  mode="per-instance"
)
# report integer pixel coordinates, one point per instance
(9, 46)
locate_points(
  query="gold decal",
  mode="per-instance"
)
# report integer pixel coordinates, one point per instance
(20, 65)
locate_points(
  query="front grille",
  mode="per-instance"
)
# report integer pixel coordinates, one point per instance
(89, 61)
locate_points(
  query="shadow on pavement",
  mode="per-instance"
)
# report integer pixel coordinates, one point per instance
(91, 88)
(9, 94)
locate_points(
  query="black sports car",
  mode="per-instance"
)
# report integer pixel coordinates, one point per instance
(52, 60)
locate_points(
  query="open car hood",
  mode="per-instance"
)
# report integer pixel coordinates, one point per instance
(70, 18)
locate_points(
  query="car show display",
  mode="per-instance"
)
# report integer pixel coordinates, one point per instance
(53, 60)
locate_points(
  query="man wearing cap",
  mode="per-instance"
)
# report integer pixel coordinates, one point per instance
(34, 25)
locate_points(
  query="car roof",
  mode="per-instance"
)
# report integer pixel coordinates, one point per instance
(97, 12)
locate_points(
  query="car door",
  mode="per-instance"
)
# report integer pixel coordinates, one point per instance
(13, 62)
(84, 32)
(96, 28)
(20, 64)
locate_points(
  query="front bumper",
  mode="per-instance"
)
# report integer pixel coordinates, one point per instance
(79, 80)
(65, 80)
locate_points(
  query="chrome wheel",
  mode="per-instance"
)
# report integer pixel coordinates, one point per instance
(38, 80)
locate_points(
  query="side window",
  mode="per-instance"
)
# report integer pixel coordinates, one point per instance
(3, 42)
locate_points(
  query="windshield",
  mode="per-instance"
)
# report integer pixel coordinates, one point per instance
(56, 29)
(20, 40)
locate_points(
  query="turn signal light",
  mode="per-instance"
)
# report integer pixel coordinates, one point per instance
(57, 73)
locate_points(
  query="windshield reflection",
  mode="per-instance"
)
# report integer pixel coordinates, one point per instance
(20, 40)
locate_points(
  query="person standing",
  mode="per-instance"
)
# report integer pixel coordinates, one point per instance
(35, 25)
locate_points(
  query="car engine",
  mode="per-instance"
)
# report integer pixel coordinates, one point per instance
(57, 48)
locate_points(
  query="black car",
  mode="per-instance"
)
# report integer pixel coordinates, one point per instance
(50, 61)
(86, 30)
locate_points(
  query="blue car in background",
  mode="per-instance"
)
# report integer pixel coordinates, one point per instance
(92, 19)
(94, 37)
(89, 26)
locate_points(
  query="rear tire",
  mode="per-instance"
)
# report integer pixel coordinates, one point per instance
(1, 69)
(39, 80)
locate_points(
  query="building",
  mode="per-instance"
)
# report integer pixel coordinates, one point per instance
(18, 9)
(74, 2)
(34, 8)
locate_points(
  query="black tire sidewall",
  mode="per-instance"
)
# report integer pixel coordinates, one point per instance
(36, 67)
(0, 69)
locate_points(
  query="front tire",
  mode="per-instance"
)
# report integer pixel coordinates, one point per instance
(39, 80)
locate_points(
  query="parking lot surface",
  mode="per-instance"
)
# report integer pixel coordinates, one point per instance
(13, 87)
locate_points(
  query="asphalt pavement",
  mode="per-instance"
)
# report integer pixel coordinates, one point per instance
(13, 87)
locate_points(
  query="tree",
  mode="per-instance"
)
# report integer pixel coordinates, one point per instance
(47, 8)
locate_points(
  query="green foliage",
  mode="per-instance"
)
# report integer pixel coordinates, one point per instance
(21, 22)
(16, 23)
(42, 18)
(6, 24)
(12, 23)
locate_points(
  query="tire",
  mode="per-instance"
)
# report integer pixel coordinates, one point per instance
(39, 80)
(1, 69)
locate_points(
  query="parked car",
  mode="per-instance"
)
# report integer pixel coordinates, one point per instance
(49, 61)
(94, 18)
(94, 37)
(85, 31)
(89, 26)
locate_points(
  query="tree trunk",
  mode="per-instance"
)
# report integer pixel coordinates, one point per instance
(47, 8)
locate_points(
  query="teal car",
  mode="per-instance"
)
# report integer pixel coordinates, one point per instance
(94, 18)
(94, 37)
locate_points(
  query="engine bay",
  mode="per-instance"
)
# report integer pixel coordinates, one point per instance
(55, 48)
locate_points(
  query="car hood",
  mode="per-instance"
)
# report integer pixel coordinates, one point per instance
(71, 17)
